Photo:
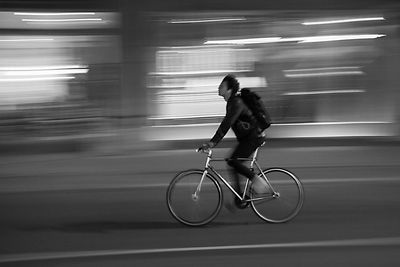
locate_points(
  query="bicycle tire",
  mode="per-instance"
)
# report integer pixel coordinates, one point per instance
(288, 192)
(180, 199)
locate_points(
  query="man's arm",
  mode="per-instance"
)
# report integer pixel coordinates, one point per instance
(233, 110)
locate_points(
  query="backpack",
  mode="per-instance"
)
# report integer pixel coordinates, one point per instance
(255, 104)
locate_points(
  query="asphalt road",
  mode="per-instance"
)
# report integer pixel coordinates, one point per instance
(350, 218)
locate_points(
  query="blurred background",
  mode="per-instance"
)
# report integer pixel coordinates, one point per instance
(103, 102)
(96, 74)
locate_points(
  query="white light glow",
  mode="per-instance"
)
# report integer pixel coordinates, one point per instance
(197, 72)
(328, 71)
(324, 92)
(194, 85)
(205, 20)
(320, 74)
(42, 67)
(68, 23)
(326, 68)
(27, 40)
(342, 21)
(53, 14)
(331, 38)
(37, 79)
(44, 72)
(246, 41)
(309, 39)
(61, 20)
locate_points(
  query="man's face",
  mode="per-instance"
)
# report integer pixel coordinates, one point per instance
(224, 91)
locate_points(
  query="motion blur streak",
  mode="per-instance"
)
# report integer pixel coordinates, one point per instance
(61, 20)
(246, 41)
(53, 14)
(327, 68)
(44, 72)
(343, 21)
(331, 38)
(206, 20)
(325, 92)
(37, 79)
(27, 40)
(390, 241)
(41, 68)
(316, 74)
(309, 39)
(198, 72)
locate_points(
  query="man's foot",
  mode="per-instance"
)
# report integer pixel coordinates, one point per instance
(259, 185)
(242, 204)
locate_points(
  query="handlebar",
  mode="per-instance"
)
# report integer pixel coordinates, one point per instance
(207, 151)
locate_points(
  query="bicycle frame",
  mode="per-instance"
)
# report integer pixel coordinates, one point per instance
(208, 167)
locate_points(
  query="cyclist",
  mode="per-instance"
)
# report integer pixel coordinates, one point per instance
(238, 117)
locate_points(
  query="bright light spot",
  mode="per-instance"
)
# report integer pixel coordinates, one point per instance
(44, 72)
(331, 38)
(309, 39)
(27, 40)
(343, 21)
(197, 72)
(37, 79)
(53, 14)
(246, 41)
(61, 20)
(42, 67)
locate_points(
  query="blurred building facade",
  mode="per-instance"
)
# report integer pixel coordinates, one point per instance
(131, 72)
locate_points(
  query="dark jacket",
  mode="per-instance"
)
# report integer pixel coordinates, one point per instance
(239, 117)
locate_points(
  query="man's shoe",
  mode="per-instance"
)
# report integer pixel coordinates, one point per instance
(242, 204)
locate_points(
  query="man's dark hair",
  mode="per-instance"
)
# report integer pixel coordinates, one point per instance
(232, 83)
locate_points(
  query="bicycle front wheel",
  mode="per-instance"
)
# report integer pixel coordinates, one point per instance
(191, 202)
(283, 199)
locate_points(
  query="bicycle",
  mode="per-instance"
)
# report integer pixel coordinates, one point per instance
(194, 196)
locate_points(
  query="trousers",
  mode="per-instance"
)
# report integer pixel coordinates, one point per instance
(244, 149)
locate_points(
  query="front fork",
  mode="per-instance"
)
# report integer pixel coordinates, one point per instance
(195, 196)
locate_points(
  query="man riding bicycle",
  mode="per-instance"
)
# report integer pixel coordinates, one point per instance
(249, 136)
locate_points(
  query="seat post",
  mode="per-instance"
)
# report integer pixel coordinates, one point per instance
(254, 157)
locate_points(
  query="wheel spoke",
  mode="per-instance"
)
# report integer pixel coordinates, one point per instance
(189, 210)
(287, 200)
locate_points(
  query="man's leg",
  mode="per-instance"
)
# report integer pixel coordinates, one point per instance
(243, 150)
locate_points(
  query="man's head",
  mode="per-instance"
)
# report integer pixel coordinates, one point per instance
(228, 87)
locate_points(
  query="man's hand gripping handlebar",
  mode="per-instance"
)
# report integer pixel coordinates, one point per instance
(206, 147)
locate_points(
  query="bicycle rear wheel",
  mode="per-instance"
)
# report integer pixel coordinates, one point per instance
(189, 207)
(283, 199)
